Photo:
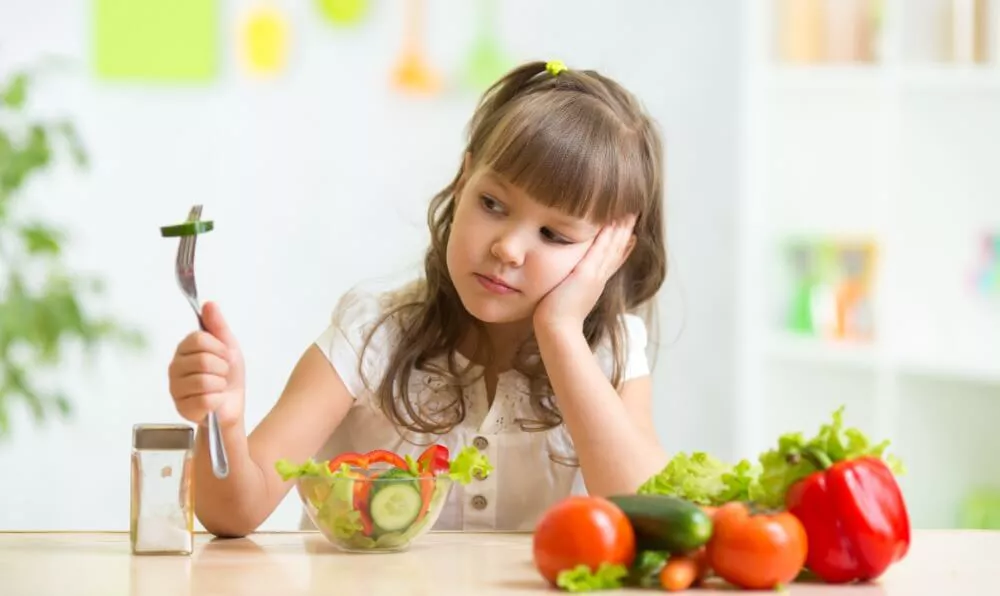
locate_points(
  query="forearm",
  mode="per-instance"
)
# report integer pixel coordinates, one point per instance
(614, 455)
(231, 506)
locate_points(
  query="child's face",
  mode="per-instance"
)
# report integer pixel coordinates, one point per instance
(507, 251)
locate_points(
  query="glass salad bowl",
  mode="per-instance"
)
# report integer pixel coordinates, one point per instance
(379, 501)
(366, 511)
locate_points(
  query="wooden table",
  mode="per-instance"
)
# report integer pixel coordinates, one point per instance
(99, 564)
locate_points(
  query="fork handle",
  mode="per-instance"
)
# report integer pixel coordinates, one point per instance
(216, 448)
(220, 462)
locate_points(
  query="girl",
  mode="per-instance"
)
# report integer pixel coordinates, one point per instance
(520, 338)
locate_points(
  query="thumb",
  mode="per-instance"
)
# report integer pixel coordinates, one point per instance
(215, 324)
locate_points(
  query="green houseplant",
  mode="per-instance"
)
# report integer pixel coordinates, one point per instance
(43, 306)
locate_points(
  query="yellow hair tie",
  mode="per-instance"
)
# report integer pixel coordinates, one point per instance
(555, 67)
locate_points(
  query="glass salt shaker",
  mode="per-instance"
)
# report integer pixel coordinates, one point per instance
(162, 515)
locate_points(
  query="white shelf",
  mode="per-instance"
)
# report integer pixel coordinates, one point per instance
(954, 366)
(903, 152)
(792, 348)
(832, 77)
(951, 77)
(981, 370)
(872, 78)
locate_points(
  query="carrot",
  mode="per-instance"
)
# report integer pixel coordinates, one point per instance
(700, 557)
(679, 573)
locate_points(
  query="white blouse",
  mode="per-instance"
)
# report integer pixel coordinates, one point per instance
(525, 482)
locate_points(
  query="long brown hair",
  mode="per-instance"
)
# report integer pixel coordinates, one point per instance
(574, 140)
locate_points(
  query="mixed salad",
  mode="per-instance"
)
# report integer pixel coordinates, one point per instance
(379, 499)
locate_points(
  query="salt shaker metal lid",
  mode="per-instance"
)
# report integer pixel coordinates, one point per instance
(162, 437)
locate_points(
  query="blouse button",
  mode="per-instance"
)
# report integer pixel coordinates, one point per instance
(479, 502)
(480, 443)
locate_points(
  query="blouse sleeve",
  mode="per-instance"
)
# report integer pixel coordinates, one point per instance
(635, 363)
(343, 342)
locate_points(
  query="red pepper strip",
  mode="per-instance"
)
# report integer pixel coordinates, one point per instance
(350, 458)
(855, 518)
(362, 490)
(384, 456)
(434, 459)
(365, 461)
(426, 492)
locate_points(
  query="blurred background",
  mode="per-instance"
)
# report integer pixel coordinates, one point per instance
(833, 211)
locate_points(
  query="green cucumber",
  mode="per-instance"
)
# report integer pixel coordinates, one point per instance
(393, 477)
(664, 522)
(188, 228)
(395, 506)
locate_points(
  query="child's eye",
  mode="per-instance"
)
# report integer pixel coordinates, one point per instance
(490, 204)
(555, 237)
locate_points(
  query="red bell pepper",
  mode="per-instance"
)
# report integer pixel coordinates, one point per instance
(854, 515)
(364, 461)
(434, 459)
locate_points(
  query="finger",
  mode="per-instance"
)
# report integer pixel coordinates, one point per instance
(216, 324)
(628, 239)
(627, 230)
(202, 341)
(629, 247)
(613, 255)
(592, 261)
(196, 384)
(630, 222)
(200, 362)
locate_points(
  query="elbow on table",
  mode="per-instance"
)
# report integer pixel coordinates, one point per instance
(228, 525)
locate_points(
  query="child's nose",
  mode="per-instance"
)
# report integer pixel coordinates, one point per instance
(509, 250)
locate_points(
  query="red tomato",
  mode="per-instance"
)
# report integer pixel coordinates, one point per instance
(756, 550)
(582, 529)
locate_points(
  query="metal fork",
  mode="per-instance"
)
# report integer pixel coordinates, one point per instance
(185, 279)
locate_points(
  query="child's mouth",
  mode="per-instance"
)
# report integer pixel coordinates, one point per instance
(495, 285)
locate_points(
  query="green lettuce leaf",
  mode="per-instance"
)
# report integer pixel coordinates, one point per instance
(469, 463)
(741, 483)
(705, 480)
(779, 472)
(340, 518)
(287, 470)
(582, 579)
(702, 479)
(796, 457)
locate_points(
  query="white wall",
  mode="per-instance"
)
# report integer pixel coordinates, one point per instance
(333, 173)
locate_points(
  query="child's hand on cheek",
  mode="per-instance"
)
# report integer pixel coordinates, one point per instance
(565, 307)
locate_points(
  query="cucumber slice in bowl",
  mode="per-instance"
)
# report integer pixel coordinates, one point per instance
(394, 507)
(188, 228)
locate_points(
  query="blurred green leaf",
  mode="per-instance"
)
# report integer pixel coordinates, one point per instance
(40, 239)
(62, 403)
(16, 92)
(41, 321)
(76, 147)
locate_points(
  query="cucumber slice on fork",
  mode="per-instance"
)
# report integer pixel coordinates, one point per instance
(188, 228)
